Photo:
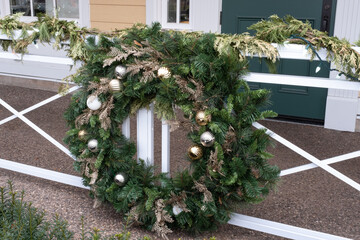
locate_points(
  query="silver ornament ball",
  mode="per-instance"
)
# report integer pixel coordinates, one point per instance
(207, 139)
(115, 85)
(120, 179)
(120, 71)
(177, 210)
(164, 72)
(93, 145)
(93, 103)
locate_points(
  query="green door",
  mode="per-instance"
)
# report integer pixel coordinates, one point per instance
(287, 101)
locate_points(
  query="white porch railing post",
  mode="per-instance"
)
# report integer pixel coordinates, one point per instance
(145, 134)
(165, 148)
(126, 127)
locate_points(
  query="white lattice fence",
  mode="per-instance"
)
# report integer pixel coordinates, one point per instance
(145, 144)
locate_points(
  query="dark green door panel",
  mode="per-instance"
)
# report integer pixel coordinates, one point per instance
(286, 100)
(294, 101)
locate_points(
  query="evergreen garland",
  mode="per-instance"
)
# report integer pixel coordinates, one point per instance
(203, 73)
(289, 29)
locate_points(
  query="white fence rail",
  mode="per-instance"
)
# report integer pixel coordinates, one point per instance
(145, 144)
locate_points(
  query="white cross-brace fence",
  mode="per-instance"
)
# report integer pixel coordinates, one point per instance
(145, 142)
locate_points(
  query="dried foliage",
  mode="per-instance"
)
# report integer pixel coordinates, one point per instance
(178, 200)
(162, 217)
(245, 45)
(104, 116)
(201, 187)
(99, 87)
(230, 137)
(214, 163)
(196, 93)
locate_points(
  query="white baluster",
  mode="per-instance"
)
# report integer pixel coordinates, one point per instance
(126, 127)
(145, 134)
(165, 148)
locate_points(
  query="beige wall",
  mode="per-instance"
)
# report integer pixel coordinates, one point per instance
(107, 15)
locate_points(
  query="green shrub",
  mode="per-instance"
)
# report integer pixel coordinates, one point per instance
(19, 220)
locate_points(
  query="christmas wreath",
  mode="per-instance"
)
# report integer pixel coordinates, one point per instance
(197, 74)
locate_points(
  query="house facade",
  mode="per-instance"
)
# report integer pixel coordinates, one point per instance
(339, 17)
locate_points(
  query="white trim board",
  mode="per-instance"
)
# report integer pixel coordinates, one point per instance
(297, 51)
(280, 229)
(55, 80)
(302, 81)
(309, 157)
(37, 58)
(37, 129)
(43, 173)
(328, 161)
(40, 104)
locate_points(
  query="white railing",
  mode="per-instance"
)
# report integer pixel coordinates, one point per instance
(145, 145)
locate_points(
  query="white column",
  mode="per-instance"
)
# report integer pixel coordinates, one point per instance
(145, 134)
(341, 110)
(341, 105)
(205, 15)
(153, 11)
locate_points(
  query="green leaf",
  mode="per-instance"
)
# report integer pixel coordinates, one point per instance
(152, 194)
(231, 179)
(93, 120)
(100, 159)
(72, 132)
(104, 134)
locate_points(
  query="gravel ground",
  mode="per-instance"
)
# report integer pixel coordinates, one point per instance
(312, 199)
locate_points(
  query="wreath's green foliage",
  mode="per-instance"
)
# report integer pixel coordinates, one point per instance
(340, 52)
(230, 102)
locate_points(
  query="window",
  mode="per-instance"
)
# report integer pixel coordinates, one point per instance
(31, 8)
(73, 10)
(176, 14)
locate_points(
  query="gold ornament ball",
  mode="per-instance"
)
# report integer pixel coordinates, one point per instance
(207, 139)
(164, 72)
(93, 145)
(115, 85)
(201, 118)
(195, 152)
(82, 134)
(120, 71)
(120, 179)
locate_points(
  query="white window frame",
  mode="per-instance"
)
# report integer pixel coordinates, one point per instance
(178, 25)
(83, 20)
